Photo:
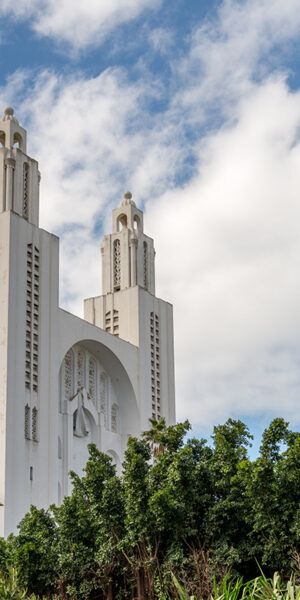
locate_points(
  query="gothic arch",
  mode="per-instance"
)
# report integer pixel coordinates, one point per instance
(120, 382)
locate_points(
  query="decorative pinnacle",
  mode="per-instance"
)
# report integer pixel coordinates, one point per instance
(127, 199)
(9, 111)
(9, 114)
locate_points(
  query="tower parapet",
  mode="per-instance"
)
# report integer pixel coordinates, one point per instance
(19, 174)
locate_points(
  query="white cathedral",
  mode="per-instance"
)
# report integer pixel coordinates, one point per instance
(67, 381)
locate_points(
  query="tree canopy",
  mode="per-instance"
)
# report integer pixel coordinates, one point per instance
(180, 506)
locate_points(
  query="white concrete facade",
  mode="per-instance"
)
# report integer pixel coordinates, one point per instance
(66, 381)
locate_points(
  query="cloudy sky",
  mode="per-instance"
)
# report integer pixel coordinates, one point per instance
(194, 106)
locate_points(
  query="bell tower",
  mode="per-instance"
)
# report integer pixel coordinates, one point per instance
(19, 174)
(127, 254)
(129, 309)
(28, 315)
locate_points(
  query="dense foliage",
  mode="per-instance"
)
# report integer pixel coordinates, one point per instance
(260, 588)
(180, 507)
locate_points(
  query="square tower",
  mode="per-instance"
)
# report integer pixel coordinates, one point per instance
(130, 310)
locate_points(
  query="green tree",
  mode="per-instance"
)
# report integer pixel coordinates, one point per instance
(87, 525)
(226, 528)
(33, 552)
(179, 506)
(271, 485)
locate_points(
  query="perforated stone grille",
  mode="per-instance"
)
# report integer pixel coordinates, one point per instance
(68, 374)
(155, 365)
(34, 425)
(117, 265)
(92, 379)
(103, 397)
(32, 318)
(145, 265)
(114, 418)
(25, 191)
(27, 422)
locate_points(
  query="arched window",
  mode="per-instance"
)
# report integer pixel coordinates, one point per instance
(145, 247)
(117, 265)
(114, 425)
(18, 141)
(122, 222)
(136, 223)
(2, 138)
(25, 191)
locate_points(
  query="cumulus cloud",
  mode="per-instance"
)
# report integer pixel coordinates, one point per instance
(233, 235)
(233, 229)
(230, 134)
(78, 23)
(93, 141)
(161, 39)
(240, 45)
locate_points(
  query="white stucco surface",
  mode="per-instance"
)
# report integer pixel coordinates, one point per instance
(66, 381)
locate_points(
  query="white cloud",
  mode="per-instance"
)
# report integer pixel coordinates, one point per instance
(78, 23)
(161, 39)
(226, 54)
(232, 229)
(233, 235)
(92, 144)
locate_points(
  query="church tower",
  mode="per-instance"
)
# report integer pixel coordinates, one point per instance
(66, 382)
(130, 310)
(18, 172)
(127, 254)
(28, 301)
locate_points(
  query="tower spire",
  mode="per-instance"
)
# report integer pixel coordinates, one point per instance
(127, 253)
(19, 174)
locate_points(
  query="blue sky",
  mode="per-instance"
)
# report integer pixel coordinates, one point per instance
(195, 107)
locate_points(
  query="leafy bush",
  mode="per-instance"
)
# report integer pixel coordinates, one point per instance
(260, 588)
(10, 587)
(181, 507)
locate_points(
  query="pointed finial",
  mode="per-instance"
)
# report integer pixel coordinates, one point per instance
(8, 112)
(127, 199)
